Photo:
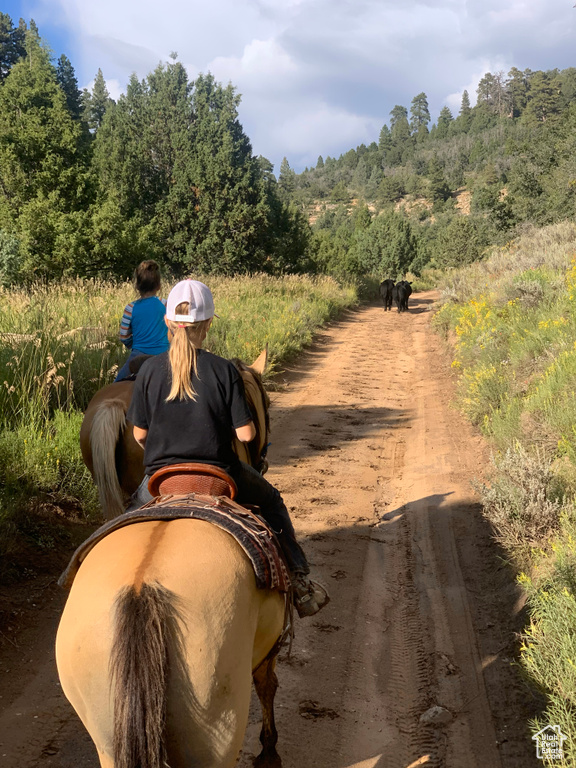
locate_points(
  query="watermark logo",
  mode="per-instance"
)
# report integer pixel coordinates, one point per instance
(549, 743)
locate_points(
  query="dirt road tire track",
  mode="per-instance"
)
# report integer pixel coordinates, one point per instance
(375, 466)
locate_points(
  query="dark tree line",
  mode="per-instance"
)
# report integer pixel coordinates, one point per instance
(90, 186)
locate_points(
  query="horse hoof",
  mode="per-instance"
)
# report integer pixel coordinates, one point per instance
(268, 758)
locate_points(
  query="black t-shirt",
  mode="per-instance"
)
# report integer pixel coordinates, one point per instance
(187, 430)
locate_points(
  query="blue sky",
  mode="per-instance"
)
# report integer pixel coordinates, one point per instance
(316, 76)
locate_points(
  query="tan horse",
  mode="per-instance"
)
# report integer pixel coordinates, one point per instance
(115, 459)
(162, 633)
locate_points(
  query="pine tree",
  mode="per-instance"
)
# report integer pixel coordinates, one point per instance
(385, 139)
(400, 133)
(458, 244)
(420, 116)
(568, 86)
(387, 247)
(319, 162)
(544, 97)
(398, 117)
(96, 103)
(142, 155)
(465, 114)
(361, 176)
(444, 121)
(67, 79)
(517, 87)
(286, 179)
(439, 191)
(231, 227)
(43, 183)
(493, 95)
(12, 44)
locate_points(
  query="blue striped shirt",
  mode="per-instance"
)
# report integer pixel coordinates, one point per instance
(142, 326)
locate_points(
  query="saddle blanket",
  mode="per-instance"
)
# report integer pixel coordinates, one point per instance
(254, 536)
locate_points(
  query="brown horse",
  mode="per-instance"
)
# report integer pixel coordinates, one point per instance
(115, 459)
(163, 631)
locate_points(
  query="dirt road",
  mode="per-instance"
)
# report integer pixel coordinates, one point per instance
(375, 466)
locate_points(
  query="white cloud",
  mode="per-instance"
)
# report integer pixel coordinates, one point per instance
(264, 65)
(319, 76)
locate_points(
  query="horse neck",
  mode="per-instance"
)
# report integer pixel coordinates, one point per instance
(258, 403)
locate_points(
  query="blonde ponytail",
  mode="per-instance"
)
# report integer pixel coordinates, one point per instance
(186, 340)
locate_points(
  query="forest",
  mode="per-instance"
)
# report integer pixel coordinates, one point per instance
(504, 163)
(89, 186)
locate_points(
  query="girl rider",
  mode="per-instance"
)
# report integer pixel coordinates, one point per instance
(142, 328)
(186, 406)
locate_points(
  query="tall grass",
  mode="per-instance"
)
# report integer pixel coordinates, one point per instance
(59, 345)
(512, 321)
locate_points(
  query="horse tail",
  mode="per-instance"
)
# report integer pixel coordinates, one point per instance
(144, 632)
(108, 424)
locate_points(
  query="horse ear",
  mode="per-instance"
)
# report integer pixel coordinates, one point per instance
(259, 365)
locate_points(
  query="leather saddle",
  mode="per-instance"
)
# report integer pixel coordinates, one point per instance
(192, 478)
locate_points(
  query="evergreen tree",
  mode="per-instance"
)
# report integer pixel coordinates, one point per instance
(67, 79)
(444, 120)
(458, 244)
(340, 193)
(376, 176)
(43, 184)
(319, 162)
(493, 95)
(400, 135)
(568, 86)
(387, 247)
(439, 191)
(544, 97)
(142, 155)
(231, 227)
(517, 87)
(361, 176)
(96, 103)
(399, 126)
(12, 44)
(385, 139)
(420, 115)
(465, 114)
(286, 179)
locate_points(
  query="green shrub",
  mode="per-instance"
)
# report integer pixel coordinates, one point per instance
(520, 502)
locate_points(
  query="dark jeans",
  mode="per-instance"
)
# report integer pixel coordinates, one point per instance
(253, 488)
(124, 372)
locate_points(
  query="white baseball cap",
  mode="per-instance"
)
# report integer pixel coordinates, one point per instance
(197, 295)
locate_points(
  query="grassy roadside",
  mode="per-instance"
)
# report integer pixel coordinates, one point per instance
(59, 345)
(511, 320)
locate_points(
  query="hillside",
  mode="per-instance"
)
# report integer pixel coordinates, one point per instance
(505, 162)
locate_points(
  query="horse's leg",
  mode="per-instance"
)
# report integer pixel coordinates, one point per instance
(266, 684)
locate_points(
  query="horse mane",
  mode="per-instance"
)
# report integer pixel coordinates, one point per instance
(261, 415)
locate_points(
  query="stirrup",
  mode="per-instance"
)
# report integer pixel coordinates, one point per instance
(310, 598)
